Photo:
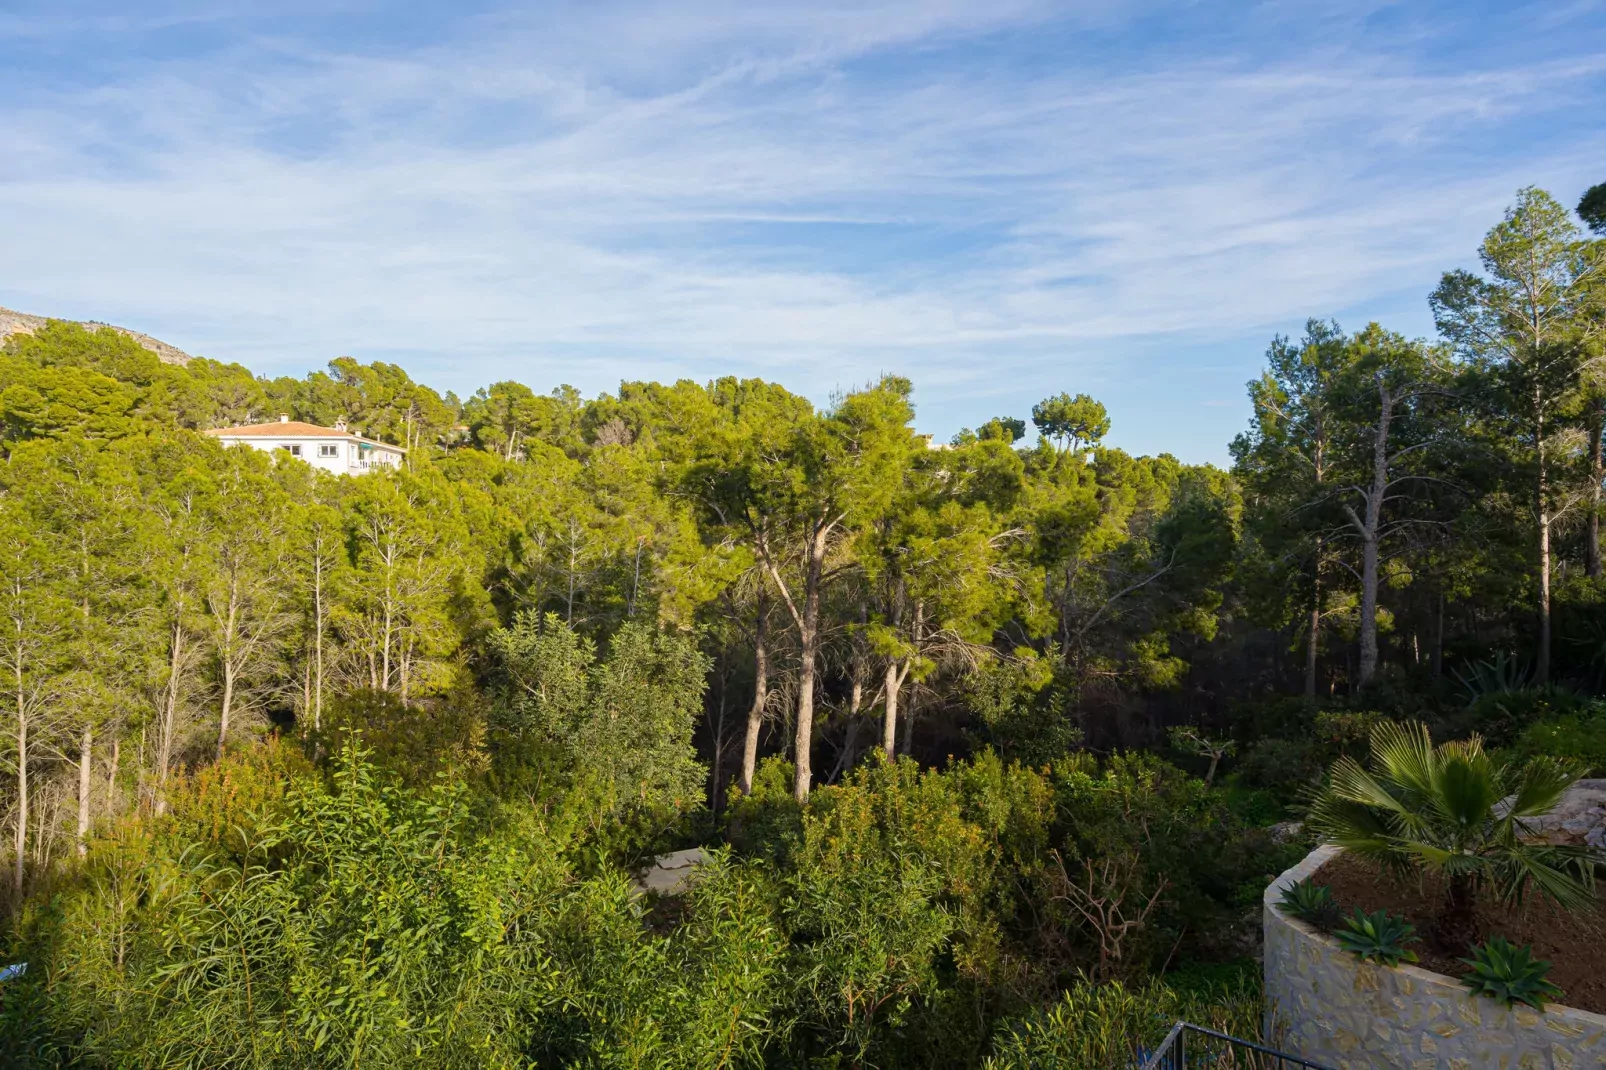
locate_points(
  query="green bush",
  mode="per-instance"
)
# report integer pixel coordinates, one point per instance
(366, 924)
(1213, 863)
(363, 923)
(887, 880)
(1579, 737)
(1114, 1027)
(415, 743)
(1287, 768)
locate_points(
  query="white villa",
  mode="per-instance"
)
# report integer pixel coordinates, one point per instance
(334, 449)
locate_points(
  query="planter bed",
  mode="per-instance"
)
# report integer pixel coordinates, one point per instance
(1574, 944)
(1325, 1005)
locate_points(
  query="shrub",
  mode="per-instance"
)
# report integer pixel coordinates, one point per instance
(884, 870)
(1511, 974)
(1284, 767)
(1094, 1027)
(1215, 864)
(369, 924)
(1378, 937)
(411, 742)
(366, 924)
(1577, 737)
(1313, 903)
(1501, 718)
(618, 727)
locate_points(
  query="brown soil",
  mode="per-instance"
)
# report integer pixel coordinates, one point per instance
(1573, 943)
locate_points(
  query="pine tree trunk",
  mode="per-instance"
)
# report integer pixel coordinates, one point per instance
(803, 736)
(907, 746)
(808, 642)
(1597, 470)
(169, 725)
(317, 660)
(719, 742)
(111, 776)
(21, 844)
(1542, 668)
(1370, 532)
(228, 706)
(85, 750)
(889, 720)
(1313, 640)
(761, 694)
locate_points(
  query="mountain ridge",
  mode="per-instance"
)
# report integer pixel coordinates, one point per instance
(14, 322)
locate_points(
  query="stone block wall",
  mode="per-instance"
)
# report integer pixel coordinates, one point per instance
(1325, 1005)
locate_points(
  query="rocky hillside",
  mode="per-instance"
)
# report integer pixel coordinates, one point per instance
(21, 323)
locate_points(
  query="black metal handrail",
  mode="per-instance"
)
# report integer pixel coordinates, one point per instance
(1173, 1054)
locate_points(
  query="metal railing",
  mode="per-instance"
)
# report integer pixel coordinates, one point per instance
(1194, 1045)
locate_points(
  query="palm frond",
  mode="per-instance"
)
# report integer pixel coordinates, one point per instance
(1403, 753)
(1540, 786)
(1438, 809)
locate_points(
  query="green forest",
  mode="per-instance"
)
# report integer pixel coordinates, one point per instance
(992, 745)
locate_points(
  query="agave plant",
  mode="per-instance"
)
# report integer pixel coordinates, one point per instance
(1441, 810)
(1501, 675)
(1379, 937)
(1313, 903)
(1509, 973)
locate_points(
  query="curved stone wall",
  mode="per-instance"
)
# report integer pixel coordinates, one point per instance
(1327, 1006)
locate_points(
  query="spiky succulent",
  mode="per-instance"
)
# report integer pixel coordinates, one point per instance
(1504, 971)
(1313, 903)
(1378, 937)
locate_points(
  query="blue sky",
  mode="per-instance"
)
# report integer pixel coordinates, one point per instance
(1001, 199)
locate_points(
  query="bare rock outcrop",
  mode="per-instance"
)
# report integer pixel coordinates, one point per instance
(12, 322)
(1580, 817)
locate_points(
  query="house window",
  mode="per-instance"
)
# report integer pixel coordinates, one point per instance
(293, 447)
(328, 449)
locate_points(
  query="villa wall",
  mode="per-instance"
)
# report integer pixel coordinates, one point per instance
(1327, 1006)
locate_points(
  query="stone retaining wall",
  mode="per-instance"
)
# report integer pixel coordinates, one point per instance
(1329, 1007)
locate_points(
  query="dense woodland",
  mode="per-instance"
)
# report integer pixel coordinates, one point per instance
(990, 741)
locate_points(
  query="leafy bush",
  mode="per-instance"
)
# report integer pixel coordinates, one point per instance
(612, 733)
(1378, 937)
(1114, 1027)
(1501, 717)
(410, 741)
(880, 882)
(1509, 973)
(367, 924)
(1311, 902)
(1285, 767)
(1422, 807)
(1577, 737)
(707, 994)
(1290, 762)
(1136, 808)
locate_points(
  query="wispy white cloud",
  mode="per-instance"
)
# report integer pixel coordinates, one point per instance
(810, 192)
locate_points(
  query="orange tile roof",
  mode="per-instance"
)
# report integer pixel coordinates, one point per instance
(292, 429)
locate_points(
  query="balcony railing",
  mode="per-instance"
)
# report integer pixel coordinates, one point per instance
(1194, 1045)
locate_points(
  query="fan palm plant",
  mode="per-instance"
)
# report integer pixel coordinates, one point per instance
(1453, 811)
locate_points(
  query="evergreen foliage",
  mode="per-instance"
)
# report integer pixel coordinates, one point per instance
(305, 770)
